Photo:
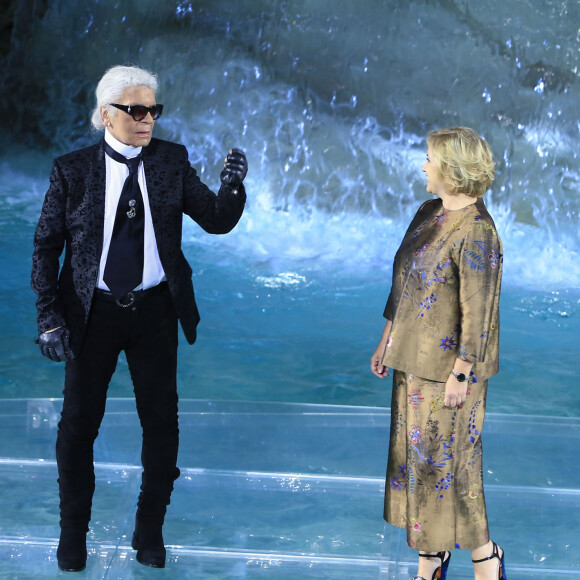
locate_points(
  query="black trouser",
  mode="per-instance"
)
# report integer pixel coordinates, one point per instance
(147, 332)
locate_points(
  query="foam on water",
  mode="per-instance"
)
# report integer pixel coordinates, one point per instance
(332, 107)
(304, 237)
(537, 257)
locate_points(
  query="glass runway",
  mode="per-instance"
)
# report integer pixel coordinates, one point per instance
(279, 491)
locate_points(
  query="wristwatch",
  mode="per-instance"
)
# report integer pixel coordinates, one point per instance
(461, 377)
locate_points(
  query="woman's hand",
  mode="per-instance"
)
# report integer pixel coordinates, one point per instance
(455, 392)
(377, 366)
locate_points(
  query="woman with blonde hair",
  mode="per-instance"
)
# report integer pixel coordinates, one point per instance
(441, 339)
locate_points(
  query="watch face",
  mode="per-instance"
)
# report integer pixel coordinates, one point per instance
(461, 377)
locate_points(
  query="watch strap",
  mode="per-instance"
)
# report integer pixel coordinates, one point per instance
(461, 377)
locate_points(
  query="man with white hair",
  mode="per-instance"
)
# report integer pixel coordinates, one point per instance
(116, 210)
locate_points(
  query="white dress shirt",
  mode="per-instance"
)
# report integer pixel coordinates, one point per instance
(117, 173)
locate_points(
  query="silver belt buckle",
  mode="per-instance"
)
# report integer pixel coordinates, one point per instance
(131, 298)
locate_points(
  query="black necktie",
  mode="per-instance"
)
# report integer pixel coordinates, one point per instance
(124, 267)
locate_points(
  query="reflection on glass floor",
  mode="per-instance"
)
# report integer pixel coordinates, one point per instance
(280, 491)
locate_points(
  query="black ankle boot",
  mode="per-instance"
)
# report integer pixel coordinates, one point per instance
(148, 541)
(71, 554)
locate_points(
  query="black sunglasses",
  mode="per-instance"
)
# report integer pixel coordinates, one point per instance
(139, 112)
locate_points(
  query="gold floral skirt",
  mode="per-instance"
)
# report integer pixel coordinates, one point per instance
(434, 486)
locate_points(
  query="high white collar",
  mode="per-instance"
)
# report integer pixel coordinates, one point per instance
(126, 150)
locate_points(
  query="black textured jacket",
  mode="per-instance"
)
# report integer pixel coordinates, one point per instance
(72, 219)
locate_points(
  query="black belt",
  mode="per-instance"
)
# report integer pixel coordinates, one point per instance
(131, 297)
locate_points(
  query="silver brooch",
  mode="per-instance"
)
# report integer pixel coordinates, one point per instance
(132, 212)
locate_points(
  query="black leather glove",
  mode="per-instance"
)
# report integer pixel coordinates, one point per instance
(235, 168)
(54, 345)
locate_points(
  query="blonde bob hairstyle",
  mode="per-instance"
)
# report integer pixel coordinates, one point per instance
(464, 160)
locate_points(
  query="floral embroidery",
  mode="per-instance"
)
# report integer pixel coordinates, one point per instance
(472, 430)
(422, 276)
(448, 449)
(415, 434)
(437, 400)
(411, 480)
(448, 343)
(430, 459)
(415, 398)
(486, 227)
(473, 495)
(389, 342)
(417, 527)
(418, 230)
(397, 484)
(448, 446)
(474, 260)
(441, 218)
(473, 379)
(399, 423)
(426, 304)
(477, 455)
(495, 258)
(443, 484)
(421, 251)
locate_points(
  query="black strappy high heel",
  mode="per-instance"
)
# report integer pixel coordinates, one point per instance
(441, 572)
(495, 554)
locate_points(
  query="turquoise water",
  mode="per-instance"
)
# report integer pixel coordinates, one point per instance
(332, 102)
(287, 328)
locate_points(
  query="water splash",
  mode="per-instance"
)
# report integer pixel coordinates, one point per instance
(333, 111)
